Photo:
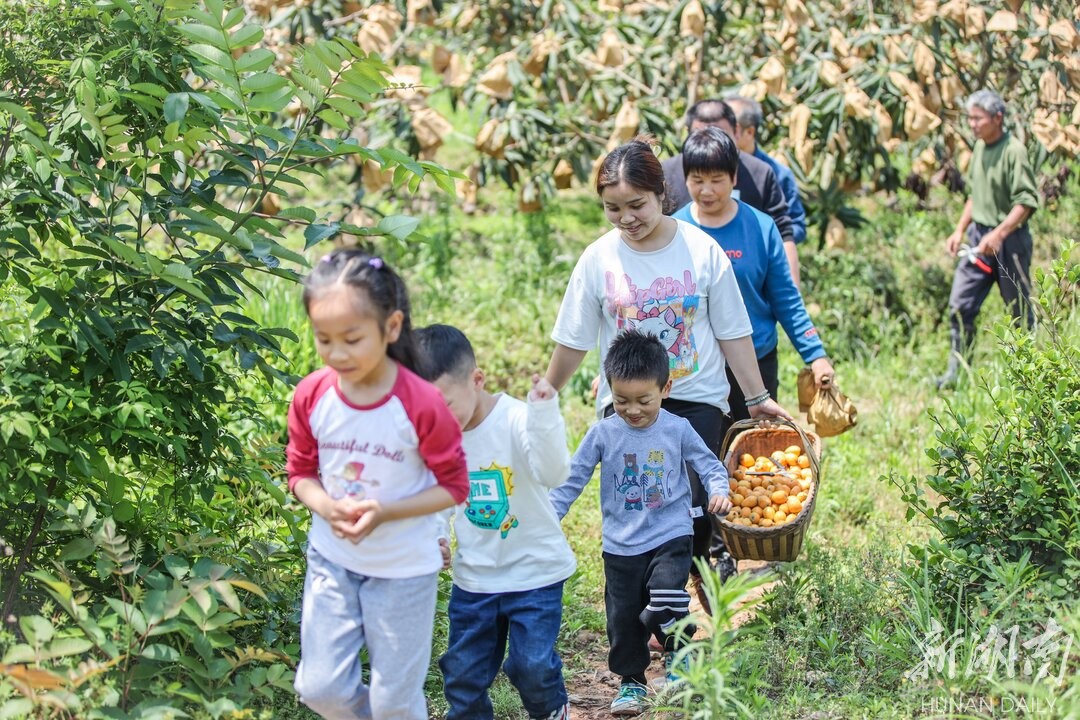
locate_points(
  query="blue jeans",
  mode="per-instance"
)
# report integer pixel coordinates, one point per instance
(480, 625)
(343, 612)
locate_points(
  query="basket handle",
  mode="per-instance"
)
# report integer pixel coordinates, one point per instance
(740, 425)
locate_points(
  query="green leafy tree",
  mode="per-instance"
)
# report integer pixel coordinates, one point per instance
(146, 168)
(1005, 503)
(847, 87)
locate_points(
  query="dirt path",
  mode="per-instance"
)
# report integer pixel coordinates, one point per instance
(593, 687)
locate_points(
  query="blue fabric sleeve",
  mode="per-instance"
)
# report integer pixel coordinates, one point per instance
(582, 466)
(790, 189)
(784, 298)
(777, 204)
(796, 211)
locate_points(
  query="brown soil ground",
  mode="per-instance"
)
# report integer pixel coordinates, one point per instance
(593, 688)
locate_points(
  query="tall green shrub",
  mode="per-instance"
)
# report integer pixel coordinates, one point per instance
(1007, 483)
(145, 172)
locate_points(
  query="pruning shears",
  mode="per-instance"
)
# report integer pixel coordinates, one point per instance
(967, 252)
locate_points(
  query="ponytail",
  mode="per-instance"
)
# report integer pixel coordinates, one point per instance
(383, 287)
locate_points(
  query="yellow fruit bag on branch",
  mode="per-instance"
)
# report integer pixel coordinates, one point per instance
(827, 409)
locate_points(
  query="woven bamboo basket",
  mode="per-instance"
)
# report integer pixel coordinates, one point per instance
(781, 543)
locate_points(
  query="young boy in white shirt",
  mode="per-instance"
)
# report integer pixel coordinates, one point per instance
(512, 557)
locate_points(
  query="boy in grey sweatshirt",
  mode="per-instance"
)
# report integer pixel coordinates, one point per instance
(647, 513)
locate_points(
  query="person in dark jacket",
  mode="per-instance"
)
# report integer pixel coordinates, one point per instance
(755, 182)
(749, 117)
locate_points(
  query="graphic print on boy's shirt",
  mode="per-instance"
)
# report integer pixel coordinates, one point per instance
(666, 309)
(642, 487)
(488, 506)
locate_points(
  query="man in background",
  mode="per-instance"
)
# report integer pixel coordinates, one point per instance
(992, 236)
(755, 182)
(748, 119)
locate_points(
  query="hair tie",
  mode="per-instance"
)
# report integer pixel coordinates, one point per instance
(376, 262)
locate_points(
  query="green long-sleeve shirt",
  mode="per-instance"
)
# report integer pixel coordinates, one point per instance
(1001, 178)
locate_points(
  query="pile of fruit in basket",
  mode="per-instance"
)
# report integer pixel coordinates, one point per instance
(770, 491)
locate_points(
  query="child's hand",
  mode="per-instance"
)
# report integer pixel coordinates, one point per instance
(343, 515)
(444, 548)
(541, 388)
(371, 517)
(718, 504)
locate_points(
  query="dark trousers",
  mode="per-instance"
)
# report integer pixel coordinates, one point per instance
(1009, 270)
(707, 423)
(645, 595)
(769, 367)
(481, 625)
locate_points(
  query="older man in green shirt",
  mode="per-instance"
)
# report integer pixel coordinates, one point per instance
(997, 246)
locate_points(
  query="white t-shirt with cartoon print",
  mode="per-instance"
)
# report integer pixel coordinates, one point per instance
(685, 293)
(508, 537)
(396, 447)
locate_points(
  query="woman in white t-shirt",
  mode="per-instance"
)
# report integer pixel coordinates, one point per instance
(668, 278)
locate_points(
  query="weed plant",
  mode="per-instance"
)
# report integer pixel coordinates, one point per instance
(716, 680)
(995, 583)
(1006, 471)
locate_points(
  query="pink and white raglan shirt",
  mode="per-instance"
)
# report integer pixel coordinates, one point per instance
(403, 444)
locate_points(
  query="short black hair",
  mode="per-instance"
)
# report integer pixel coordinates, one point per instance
(710, 112)
(635, 355)
(444, 350)
(709, 151)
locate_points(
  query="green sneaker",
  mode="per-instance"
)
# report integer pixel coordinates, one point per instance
(674, 674)
(630, 701)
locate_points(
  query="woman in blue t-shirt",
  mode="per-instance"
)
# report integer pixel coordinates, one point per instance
(752, 243)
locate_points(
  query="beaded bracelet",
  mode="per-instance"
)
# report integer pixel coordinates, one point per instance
(758, 399)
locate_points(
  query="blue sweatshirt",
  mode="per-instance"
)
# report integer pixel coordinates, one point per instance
(790, 188)
(644, 488)
(756, 251)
